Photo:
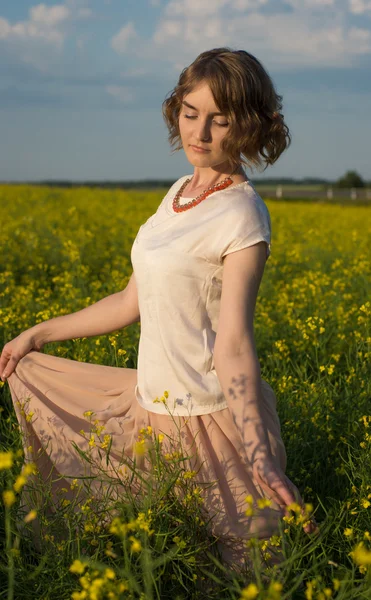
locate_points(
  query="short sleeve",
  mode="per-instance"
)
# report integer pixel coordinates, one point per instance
(247, 224)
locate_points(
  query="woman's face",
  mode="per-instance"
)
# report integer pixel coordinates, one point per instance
(202, 125)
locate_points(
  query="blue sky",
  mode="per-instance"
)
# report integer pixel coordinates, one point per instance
(82, 82)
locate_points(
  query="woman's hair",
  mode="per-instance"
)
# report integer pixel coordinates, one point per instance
(245, 93)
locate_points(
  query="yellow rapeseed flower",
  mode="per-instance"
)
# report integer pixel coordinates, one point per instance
(139, 447)
(336, 584)
(348, 532)
(295, 507)
(19, 483)
(264, 502)
(250, 592)
(8, 498)
(109, 574)
(78, 567)
(29, 469)
(30, 516)
(274, 590)
(6, 460)
(136, 546)
(361, 556)
(79, 595)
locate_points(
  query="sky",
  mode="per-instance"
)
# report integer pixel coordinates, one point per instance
(82, 83)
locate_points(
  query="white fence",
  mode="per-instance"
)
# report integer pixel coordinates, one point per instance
(281, 191)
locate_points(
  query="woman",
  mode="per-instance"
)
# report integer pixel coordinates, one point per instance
(197, 266)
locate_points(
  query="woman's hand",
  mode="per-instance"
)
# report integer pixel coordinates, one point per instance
(16, 349)
(279, 488)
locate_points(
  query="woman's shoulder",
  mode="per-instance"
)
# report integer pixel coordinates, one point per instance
(243, 203)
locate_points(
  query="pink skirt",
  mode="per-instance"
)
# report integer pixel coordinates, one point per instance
(56, 392)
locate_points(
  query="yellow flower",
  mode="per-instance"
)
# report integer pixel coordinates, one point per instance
(160, 437)
(139, 448)
(361, 555)
(263, 502)
(336, 584)
(19, 483)
(295, 507)
(78, 567)
(274, 590)
(29, 469)
(365, 503)
(249, 499)
(6, 460)
(106, 441)
(30, 516)
(109, 574)
(250, 592)
(136, 546)
(29, 417)
(79, 595)
(8, 498)
(88, 413)
(348, 532)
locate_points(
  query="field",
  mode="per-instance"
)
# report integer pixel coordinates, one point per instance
(62, 250)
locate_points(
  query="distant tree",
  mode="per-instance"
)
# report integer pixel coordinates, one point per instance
(351, 179)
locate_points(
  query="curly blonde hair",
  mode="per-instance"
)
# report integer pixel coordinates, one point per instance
(245, 93)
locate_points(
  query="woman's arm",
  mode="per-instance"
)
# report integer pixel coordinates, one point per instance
(240, 380)
(109, 314)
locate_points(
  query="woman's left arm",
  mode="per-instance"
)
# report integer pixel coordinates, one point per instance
(240, 380)
(238, 370)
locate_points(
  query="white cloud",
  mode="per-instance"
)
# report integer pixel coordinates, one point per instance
(49, 16)
(122, 39)
(40, 38)
(45, 24)
(358, 7)
(315, 32)
(120, 92)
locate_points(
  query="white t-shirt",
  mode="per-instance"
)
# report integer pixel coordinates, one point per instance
(177, 260)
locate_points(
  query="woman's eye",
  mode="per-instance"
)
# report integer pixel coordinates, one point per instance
(216, 122)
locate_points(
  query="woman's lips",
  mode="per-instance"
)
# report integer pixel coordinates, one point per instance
(201, 150)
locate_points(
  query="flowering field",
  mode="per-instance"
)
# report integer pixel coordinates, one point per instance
(61, 250)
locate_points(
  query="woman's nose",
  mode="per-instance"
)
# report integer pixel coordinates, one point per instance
(203, 132)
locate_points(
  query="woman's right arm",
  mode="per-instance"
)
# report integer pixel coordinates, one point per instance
(105, 316)
(109, 314)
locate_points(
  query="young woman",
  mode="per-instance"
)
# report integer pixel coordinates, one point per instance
(197, 266)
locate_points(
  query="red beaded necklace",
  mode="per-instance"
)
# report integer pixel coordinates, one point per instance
(214, 188)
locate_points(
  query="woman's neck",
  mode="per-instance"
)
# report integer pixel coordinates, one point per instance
(203, 178)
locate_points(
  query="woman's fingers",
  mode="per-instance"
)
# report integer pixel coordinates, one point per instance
(5, 355)
(284, 493)
(12, 363)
